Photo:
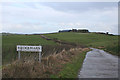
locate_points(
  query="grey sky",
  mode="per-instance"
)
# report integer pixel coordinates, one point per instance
(79, 6)
(41, 17)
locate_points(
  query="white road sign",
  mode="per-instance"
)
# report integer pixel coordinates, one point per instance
(29, 48)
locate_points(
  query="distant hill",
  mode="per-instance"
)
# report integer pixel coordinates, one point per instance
(5, 33)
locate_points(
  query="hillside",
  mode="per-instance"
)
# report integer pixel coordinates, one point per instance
(9, 42)
(107, 42)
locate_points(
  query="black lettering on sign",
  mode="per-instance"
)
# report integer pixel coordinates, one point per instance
(30, 47)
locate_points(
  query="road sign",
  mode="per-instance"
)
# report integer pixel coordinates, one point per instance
(26, 48)
(29, 48)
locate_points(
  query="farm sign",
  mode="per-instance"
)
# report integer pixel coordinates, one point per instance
(26, 48)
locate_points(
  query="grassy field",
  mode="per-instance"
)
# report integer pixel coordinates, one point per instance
(110, 43)
(9, 43)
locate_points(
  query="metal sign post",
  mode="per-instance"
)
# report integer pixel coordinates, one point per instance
(18, 55)
(29, 49)
(40, 57)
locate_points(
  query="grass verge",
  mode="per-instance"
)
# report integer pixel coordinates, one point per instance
(70, 70)
(114, 49)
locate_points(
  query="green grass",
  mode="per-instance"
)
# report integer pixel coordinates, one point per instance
(70, 70)
(85, 38)
(114, 49)
(9, 43)
(89, 39)
(0, 67)
(25, 39)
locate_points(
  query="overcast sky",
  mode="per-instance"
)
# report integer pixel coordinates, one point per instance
(42, 17)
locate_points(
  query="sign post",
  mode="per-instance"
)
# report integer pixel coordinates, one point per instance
(18, 55)
(40, 57)
(29, 49)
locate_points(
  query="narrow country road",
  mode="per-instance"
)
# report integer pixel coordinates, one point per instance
(99, 64)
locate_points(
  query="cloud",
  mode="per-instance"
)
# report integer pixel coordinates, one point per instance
(80, 6)
(21, 28)
(47, 17)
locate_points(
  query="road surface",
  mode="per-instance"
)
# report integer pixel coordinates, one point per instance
(99, 64)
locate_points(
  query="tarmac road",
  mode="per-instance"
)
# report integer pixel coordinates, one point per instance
(99, 64)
